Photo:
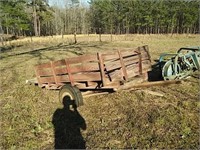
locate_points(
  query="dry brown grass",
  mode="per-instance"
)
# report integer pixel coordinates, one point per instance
(119, 120)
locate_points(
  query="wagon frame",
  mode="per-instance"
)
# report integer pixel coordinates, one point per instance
(98, 71)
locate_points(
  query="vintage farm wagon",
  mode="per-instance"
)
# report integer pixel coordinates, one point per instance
(100, 71)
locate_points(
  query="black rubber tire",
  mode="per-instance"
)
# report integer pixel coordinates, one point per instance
(73, 92)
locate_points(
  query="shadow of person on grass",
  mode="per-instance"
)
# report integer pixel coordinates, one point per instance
(67, 125)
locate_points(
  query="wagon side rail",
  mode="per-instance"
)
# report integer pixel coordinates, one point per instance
(123, 65)
(95, 71)
(79, 71)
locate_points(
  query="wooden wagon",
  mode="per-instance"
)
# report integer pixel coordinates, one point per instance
(100, 71)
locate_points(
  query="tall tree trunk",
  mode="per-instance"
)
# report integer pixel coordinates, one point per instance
(75, 40)
(188, 30)
(173, 24)
(6, 26)
(7, 30)
(111, 27)
(62, 33)
(146, 29)
(35, 19)
(1, 37)
(158, 30)
(65, 22)
(100, 34)
(39, 30)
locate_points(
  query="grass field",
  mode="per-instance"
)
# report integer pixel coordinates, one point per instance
(126, 119)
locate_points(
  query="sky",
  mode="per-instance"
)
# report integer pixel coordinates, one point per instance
(62, 3)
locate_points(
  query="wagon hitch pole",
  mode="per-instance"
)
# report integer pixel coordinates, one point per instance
(146, 84)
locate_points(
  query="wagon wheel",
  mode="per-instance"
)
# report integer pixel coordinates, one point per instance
(73, 93)
(168, 71)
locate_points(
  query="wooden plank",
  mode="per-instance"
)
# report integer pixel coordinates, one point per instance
(80, 84)
(146, 48)
(153, 93)
(69, 73)
(47, 79)
(53, 71)
(59, 71)
(132, 73)
(115, 75)
(95, 94)
(44, 72)
(86, 67)
(128, 53)
(94, 76)
(133, 67)
(132, 70)
(146, 62)
(146, 68)
(83, 58)
(113, 65)
(145, 76)
(53, 86)
(97, 88)
(110, 56)
(145, 56)
(88, 84)
(42, 66)
(101, 66)
(123, 66)
(87, 93)
(59, 63)
(140, 61)
(130, 60)
(114, 84)
(63, 78)
(92, 83)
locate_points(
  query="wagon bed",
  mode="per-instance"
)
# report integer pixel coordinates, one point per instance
(96, 71)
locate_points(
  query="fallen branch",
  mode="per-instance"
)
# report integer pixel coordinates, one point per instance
(152, 93)
(95, 94)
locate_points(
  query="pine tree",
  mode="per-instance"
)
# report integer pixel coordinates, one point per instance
(14, 18)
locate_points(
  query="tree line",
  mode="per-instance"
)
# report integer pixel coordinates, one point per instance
(38, 18)
(145, 16)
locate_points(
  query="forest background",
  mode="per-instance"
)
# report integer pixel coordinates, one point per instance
(45, 18)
